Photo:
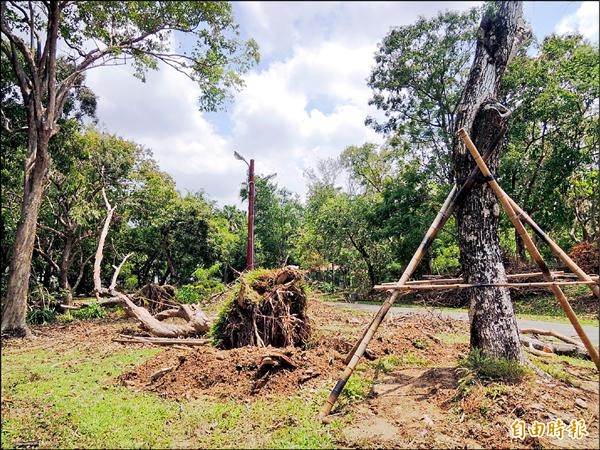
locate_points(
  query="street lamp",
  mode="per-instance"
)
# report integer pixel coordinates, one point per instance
(250, 250)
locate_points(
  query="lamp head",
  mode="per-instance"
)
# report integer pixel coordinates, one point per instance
(236, 155)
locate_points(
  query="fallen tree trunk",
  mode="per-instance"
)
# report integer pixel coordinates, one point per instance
(555, 347)
(159, 341)
(551, 333)
(196, 321)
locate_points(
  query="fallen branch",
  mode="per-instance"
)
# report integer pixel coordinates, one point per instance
(551, 333)
(196, 321)
(536, 352)
(124, 338)
(113, 281)
(555, 347)
(160, 373)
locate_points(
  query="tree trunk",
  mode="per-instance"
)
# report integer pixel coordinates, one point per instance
(520, 247)
(37, 164)
(65, 265)
(493, 324)
(110, 210)
(365, 255)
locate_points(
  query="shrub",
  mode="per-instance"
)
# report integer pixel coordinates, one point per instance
(93, 311)
(41, 316)
(130, 283)
(206, 283)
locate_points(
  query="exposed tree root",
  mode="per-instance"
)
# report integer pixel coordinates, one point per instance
(269, 310)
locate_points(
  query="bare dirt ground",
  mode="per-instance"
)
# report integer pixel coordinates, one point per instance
(413, 403)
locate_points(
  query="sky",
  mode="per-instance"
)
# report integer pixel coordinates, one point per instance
(306, 100)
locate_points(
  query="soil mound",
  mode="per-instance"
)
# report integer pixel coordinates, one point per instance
(241, 373)
(236, 373)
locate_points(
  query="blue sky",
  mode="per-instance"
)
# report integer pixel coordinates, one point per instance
(305, 101)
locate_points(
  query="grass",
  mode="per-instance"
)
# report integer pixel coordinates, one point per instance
(453, 338)
(389, 362)
(70, 399)
(480, 368)
(547, 308)
(556, 367)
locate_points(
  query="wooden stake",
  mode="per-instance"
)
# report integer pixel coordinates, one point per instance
(532, 249)
(553, 245)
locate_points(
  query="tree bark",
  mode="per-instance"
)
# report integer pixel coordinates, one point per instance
(196, 322)
(492, 319)
(110, 210)
(37, 164)
(113, 281)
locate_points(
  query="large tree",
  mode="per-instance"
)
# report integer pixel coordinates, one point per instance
(493, 322)
(420, 71)
(90, 34)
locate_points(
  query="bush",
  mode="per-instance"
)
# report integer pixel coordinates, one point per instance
(93, 311)
(130, 283)
(446, 258)
(41, 316)
(206, 283)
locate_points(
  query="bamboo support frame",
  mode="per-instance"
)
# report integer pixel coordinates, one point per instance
(531, 247)
(438, 223)
(558, 252)
(441, 286)
(445, 212)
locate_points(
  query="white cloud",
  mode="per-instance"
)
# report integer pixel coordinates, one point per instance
(307, 102)
(297, 111)
(583, 21)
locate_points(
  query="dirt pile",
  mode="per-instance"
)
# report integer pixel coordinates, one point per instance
(255, 372)
(236, 373)
(266, 308)
(587, 256)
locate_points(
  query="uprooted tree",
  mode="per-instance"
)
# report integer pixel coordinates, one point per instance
(493, 322)
(265, 308)
(35, 35)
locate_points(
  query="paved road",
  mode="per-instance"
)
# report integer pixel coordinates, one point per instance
(561, 328)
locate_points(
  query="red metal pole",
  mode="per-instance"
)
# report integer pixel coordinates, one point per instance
(250, 253)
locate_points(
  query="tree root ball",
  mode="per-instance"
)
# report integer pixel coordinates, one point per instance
(266, 307)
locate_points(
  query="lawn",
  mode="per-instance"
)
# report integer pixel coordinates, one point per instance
(70, 399)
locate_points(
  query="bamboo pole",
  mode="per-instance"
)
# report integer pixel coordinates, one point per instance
(361, 346)
(440, 220)
(512, 276)
(424, 287)
(553, 245)
(435, 227)
(444, 214)
(533, 251)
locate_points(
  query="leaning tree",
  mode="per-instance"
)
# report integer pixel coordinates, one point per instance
(493, 322)
(92, 34)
